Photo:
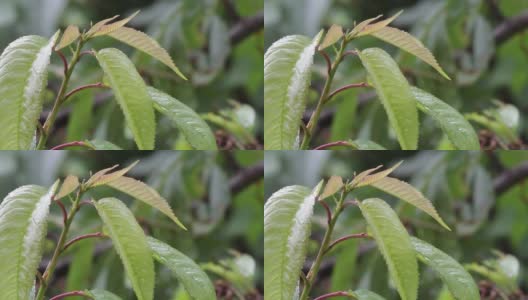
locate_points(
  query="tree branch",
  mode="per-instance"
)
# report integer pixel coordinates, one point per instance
(245, 177)
(246, 27)
(510, 177)
(510, 27)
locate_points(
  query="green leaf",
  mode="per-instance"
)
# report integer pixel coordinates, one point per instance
(460, 133)
(144, 193)
(70, 35)
(456, 278)
(334, 34)
(145, 43)
(345, 267)
(23, 228)
(191, 125)
(70, 184)
(189, 274)
(102, 145)
(394, 244)
(408, 193)
(102, 295)
(407, 42)
(287, 226)
(131, 93)
(287, 74)
(110, 28)
(395, 94)
(130, 243)
(366, 145)
(23, 80)
(80, 269)
(366, 295)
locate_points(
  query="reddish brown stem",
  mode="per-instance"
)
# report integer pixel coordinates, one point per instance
(88, 86)
(328, 62)
(71, 144)
(347, 87)
(82, 237)
(64, 61)
(328, 212)
(346, 237)
(350, 203)
(63, 209)
(85, 202)
(334, 294)
(350, 52)
(334, 144)
(86, 52)
(70, 294)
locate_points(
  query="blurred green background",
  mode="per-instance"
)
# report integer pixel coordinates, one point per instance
(203, 38)
(218, 196)
(468, 189)
(488, 69)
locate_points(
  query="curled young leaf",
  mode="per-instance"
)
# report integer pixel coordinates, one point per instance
(372, 178)
(71, 183)
(70, 35)
(109, 28)
(334, 184)
(109, 177)
(332, 36)
(394, 244)
(287, 226)
(373, 28)
(287, 74)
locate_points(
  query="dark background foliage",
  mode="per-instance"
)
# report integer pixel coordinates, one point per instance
(217, 44)
(218, 196)
(483, 197)
(480, 43)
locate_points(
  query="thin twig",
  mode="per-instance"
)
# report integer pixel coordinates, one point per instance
(327, 60)
(510, 27)
(347, 87)
(334, 144)
(328, 212)
(86, 52)
(70, 294)
(334, 294)
(246, 27)
(64, 61)
(72, 144)
(350, 52)
(346, 237)
(88, 86)
(63, 209)
(510, 177)
(82, 237)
